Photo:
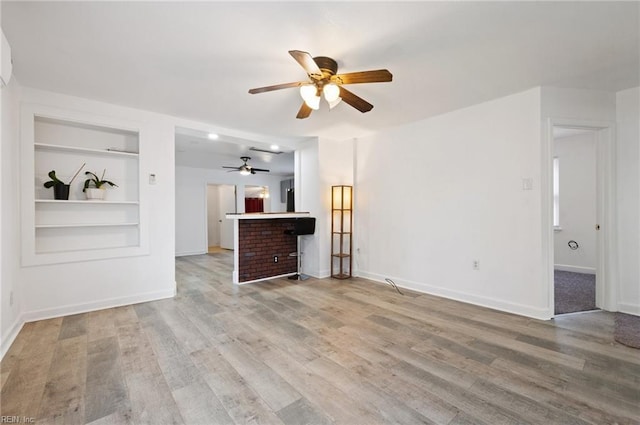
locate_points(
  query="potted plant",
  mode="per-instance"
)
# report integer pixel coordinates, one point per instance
(94, 187)
(60, 188)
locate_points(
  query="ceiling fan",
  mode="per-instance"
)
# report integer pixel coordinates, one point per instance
(245, 169)
(323, 79)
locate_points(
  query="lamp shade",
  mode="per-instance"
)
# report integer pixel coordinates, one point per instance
(310, 95)
(331, 92)
(308, 92)
(335, 103)
(313, 103)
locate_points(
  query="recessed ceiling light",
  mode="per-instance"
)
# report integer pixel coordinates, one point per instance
(212, 136)
(275, 147)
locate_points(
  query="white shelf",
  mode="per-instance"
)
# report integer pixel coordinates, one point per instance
(55, 226)
(67, 231)
(80, 201)
(50, 147)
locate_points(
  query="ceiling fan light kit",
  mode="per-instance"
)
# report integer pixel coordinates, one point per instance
(245, 169)
(324, 80)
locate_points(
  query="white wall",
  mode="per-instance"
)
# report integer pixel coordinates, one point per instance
(213, 215)
(577, 158)
(61, 289)
(10, 322)
(319, 165)
(628, 199)
(435, 195)
(336, 163)
(308, 198)
(191, 218)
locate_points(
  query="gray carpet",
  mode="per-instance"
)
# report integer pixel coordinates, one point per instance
(627, 330)
(574, 292)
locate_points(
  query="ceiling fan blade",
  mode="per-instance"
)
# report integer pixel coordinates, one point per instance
(304, 111)
(376, 76)
(232, 171)
(259, 169)
(235, 168)
(276, 87)
(357, 102)
(307, 62)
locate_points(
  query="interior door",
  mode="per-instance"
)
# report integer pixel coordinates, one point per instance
(227, 205)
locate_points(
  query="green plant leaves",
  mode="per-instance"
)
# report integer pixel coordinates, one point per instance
(54, 180)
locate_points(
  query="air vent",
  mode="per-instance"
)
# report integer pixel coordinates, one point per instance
(265, 151)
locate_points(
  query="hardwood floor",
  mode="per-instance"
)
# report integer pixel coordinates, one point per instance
(316, 352)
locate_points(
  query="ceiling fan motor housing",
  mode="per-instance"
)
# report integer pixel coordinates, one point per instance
(326, 65)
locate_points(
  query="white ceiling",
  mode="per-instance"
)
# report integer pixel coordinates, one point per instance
(198, 59)
(195, 149)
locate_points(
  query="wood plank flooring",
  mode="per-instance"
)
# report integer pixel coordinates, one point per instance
(316, 352)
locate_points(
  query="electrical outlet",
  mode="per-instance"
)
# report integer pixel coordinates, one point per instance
(275, 258)
(476, 265)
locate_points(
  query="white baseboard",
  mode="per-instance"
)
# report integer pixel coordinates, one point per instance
(575, 269)
(321, 274)
(629, 308)
(493, 303)
(187, 253)
(67, 310)
(11, 336)
(266, 278)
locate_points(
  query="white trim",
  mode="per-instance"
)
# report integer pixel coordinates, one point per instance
(67, 310)
(323, 274)
(629, 308)
(575, 269)
(187, 253)
(264, 278)
(606, 268)
(236, 249)
(13, 332)
(33, 316)
(493, 303)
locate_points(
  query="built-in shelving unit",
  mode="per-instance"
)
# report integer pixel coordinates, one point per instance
(59, 231)
(341, 236)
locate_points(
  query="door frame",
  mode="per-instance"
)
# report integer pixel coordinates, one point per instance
(206, 207)
(606, 266)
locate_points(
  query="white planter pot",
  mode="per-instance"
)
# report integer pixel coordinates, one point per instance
(95, 194)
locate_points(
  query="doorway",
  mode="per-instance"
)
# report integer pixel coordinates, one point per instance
(256, 199)
(221, 200)
(574, 219)
(580, 196)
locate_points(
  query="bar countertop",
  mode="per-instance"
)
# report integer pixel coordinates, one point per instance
(262, 216)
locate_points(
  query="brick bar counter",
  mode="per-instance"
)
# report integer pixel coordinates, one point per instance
(261, 248)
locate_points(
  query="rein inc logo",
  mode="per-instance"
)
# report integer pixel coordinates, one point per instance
(17, 420)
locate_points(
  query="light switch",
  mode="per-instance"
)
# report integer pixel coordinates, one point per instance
(527, 183)
(152, 179)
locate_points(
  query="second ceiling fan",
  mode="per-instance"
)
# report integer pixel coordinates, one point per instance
(324, 80)
(245, 169)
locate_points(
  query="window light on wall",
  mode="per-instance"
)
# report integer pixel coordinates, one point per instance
(556, 193)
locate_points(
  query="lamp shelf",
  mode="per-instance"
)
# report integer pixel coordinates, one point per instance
(341, 227)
